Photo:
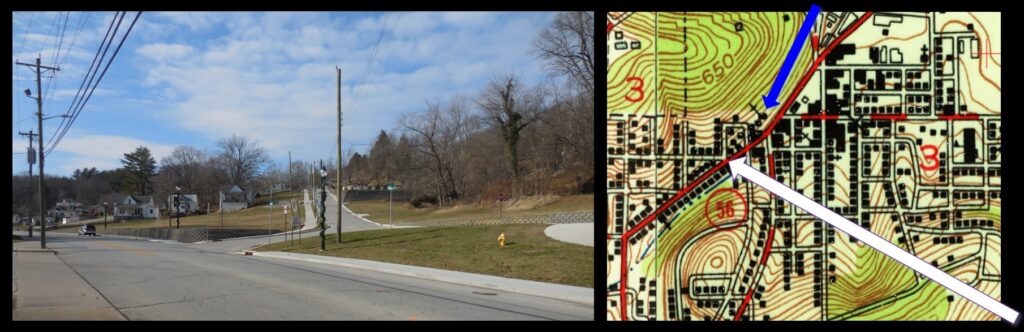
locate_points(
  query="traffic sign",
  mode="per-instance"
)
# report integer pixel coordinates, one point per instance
(391, 186)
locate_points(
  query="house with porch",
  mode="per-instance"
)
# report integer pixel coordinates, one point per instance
(136, 207)
(234, 197)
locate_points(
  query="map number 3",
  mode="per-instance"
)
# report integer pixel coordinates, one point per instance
(637, 87)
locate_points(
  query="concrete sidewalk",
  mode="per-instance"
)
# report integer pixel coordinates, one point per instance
(575, 294)
(363, 216)
(582, 234)
(35, 271)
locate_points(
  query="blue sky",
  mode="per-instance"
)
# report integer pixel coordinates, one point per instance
(188, 78)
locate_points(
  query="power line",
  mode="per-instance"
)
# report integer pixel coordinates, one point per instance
(57, 59)
(90, 73)
(92, 89)
(25, 35)
(53, 27)
(369, 64)
(109, 62)
(81, 24)
(56, 56)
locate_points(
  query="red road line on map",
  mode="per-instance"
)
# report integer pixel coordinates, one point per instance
(819, 117)
(678, 195)
(610, 26)
(771, 165)
(891, 117)
(959, 117)
(764, 258)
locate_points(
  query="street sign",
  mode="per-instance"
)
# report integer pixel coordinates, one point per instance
(391, 186)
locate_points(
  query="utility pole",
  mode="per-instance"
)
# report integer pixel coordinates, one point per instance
(290, 170)
(39, 102)
(341, 198)
(31, 160)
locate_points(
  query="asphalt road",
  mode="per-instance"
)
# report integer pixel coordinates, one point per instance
(169, 281)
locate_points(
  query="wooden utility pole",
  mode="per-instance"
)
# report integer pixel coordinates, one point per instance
(338, 180)
(31, 160)
(39, 102)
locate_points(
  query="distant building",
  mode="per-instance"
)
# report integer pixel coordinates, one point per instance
(279, 187)
(234, 197)
(136, 207)
(66, 209)
(189, 204)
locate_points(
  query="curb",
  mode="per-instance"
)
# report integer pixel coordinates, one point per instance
(36, 250)
(586, 300)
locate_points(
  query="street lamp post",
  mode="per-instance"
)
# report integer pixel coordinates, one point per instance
(177, 205)
(104, 215)
(323, 207)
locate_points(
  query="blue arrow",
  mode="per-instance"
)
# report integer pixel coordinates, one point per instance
(770, 99)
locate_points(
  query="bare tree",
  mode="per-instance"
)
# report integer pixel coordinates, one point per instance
(241, 158)
(440, 132)
(185, 163)
(567, 44)
(511, 108)
(571, 122)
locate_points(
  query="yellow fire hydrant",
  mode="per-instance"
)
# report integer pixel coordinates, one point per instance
(501, 239)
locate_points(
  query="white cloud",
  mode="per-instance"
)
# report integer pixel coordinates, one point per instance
(69, 94)
(467, 19)
(165, 52)
(101, 151)
(270, 76)
(194, 21)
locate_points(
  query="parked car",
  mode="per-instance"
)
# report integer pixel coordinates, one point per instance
(87, 230)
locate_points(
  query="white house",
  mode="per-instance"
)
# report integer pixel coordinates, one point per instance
(189, 204)
(136, 207)
(234, 197)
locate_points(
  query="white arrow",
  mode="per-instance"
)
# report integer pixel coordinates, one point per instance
(740, 168)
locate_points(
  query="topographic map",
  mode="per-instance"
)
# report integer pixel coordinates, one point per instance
(891, 120)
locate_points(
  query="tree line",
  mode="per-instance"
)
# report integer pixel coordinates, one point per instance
(509, 138)
(236, 160)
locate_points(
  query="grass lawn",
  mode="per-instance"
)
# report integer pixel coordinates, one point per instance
(17, 238)
(280, 197)
(405, 212)
(528, 253)
(252, 218)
